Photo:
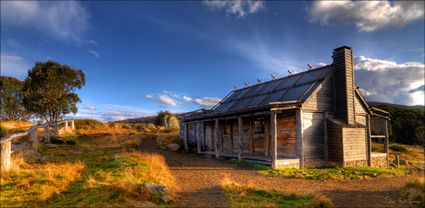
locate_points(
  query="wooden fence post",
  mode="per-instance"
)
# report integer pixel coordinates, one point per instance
(34, 139)
(386, 143)
(47, 133)
(72, 125)
(66, 125)
(186, 135)
(6, 150)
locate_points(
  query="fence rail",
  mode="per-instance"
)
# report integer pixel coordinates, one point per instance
(6, 141)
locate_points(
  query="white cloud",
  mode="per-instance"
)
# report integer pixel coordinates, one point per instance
(109, 112)
(63, 18)
(238, 7)
(93, 42)
(167, 100)
(388, 81)
(187, 99)
(367, 15)
(14, 66)
(94, 53)
(164, 99)
(207, 102)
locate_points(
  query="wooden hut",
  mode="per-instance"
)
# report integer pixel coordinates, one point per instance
(309, 119)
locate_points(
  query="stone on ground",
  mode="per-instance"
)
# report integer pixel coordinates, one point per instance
(173, 147)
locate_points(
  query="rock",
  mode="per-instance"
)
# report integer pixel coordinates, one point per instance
(51, 145)
(145, 204)
(159, 190)
(45, 159)
(77, 152)
(173, 147)
(403, 162)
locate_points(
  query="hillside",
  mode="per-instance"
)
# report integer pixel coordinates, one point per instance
(407, 122)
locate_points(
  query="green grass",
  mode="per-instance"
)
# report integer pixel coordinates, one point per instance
(242, 196)
(349, 173)
(256, 166)
(96, 172)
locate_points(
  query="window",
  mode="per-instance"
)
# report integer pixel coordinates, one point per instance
(259, 127)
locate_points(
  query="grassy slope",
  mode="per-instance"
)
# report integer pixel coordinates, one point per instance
(99, 171)
(243, 196)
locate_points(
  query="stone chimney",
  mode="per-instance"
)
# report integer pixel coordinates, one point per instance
(344, 84)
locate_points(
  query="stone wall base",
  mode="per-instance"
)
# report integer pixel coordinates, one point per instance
(355, 163)
(379, 162)
(288, 163)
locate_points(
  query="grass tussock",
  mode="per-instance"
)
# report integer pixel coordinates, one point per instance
(249, 196)
(349, 173)
(413, 192)
(32, 184)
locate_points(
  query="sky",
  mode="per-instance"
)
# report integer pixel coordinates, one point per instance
(143, 57)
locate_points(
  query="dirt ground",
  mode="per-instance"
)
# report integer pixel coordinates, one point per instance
(199, 180)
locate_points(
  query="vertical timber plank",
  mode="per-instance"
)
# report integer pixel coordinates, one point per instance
(325, 129)
(216, 138)
(273, 132)
(6, 151)
(186, 145)
(72, 124)
(240, 130)
(369, 141)
(300, 143)
(386, 144)
(198, 136)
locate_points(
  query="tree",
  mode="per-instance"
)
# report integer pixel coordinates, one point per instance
(11, 97)
(49, 90)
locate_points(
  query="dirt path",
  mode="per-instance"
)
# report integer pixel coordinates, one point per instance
(199, 181)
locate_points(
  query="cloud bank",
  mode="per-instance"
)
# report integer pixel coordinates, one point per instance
(169, 99)
(14, 66)
(241, 8)
(367, 15)
(388, 81)
(62, 18)
(108, 112)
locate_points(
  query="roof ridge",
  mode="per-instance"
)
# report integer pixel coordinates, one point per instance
(273, 80)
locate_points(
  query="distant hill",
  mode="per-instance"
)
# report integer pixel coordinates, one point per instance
(412, 107)
(146, 119)
(407, 122)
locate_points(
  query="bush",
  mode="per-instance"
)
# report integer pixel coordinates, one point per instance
(414, 192)
(87, 123)
(398, 148)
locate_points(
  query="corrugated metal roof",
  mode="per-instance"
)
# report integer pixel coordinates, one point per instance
(291, 88)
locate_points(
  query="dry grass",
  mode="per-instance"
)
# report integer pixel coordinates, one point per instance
(249, 196)
(413, 192)
(413, 154)
(8, 127)
(31, 184)
(167, 138)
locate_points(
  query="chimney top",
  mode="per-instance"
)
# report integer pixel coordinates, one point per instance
(342, 47)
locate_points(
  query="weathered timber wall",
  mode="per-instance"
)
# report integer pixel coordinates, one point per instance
(323, 99)
(286, 134)
(354, 144)
(209, 136)
(335, 145)
(313, 136)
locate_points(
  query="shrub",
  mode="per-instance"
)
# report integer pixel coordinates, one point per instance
(87, 123)
(398, 148)
(413, 192)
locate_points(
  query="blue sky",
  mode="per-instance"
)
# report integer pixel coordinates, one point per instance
(143, 57)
